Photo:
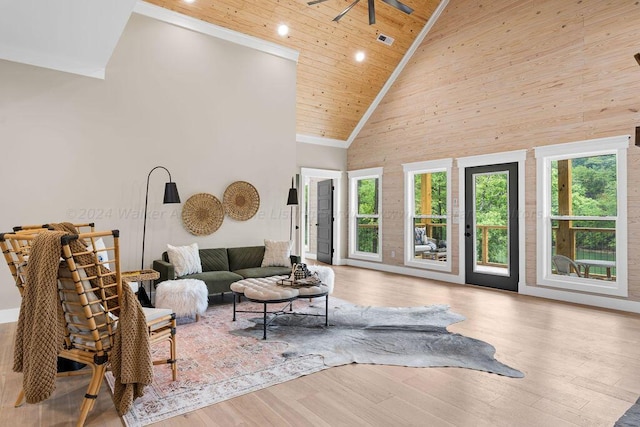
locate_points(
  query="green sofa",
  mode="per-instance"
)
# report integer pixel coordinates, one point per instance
(223, 266)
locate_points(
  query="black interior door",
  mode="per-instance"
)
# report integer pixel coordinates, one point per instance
(491, 226)
(324, 249)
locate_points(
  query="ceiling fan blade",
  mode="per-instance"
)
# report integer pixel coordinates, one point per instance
(311, 3)
(403, 7)
(372, 12)
(344, 12)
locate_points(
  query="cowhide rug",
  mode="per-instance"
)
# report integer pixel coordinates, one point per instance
(404, 336)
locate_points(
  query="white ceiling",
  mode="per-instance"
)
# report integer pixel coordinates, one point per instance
(76, 36)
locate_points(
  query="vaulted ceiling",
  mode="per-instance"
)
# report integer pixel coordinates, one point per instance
(334, 91)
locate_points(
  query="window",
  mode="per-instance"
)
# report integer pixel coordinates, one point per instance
(427, 224)
(582, 242)
(365, 218)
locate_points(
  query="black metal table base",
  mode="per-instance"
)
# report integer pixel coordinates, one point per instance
(281, 311)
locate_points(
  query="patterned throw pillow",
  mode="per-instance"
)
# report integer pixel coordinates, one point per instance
(185, 259)
(419, 235)
(277, 254)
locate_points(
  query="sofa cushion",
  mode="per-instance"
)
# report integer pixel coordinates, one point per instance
(256, 272)
(214, 259)
(245, 257)
(216, 281)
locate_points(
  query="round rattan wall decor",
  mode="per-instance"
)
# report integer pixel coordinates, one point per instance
(241, 201)
(202, 214)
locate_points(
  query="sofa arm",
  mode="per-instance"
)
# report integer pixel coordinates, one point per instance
(295, 259)
(167, 271)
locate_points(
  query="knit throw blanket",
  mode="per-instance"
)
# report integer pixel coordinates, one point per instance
(40, 331)
(38, 338)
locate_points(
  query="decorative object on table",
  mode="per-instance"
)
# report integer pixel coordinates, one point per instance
(277, 254)
(170, 196)
(300, 283)
(292, 200)
(241, 201)
(185, 259)
(300, 271)
(185, 297)
(202, 214)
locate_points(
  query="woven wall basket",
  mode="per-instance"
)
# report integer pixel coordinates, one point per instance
(241, 201)
(202, 214)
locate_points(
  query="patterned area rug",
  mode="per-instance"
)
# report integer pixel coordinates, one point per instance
(219, 359)
(214, 365)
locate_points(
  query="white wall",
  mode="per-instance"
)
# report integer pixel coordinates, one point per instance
(79, 149)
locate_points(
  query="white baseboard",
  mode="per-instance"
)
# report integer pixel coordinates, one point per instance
(9, 315)
(578, 298)
(425, 274)
(536, 291)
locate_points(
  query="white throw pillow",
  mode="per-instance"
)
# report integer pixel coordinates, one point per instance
(101, 252)
(185, 259)
(277, 254)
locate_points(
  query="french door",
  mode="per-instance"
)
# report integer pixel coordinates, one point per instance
(491, 226)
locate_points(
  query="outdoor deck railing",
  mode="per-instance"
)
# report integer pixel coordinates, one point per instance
(368, 242)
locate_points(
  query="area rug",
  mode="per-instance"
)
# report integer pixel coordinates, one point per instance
(403, 336)
(631, 418)
(219, 359)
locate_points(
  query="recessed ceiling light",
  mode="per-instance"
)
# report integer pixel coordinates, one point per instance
(283, 30)
(189, 1)
(360, 56)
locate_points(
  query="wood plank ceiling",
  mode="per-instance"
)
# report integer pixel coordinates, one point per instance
(333, 89)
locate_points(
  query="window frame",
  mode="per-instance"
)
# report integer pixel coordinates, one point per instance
(354, 177)
(410, 171)
(617, 145)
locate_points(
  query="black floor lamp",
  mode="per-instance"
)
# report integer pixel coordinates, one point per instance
(292, 201)
(170, 196)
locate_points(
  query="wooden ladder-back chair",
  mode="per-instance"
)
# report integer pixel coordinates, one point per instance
(17, 253)
(91, 296)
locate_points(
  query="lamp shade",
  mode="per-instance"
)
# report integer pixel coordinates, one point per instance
(171, 193)
(293, 197)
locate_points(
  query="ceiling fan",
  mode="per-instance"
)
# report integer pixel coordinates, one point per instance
(372, 10)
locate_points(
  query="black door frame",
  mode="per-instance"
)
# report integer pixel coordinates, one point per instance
(486, 278)
(516, 156)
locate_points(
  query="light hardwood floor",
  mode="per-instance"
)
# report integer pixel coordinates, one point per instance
(581, 365)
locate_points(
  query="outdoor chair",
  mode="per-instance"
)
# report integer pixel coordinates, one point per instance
(103, 321)
(566, 266)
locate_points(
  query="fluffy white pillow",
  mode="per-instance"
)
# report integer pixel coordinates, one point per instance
(185, 259)
(276, 254)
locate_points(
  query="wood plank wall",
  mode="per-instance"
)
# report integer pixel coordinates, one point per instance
(509, 75)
